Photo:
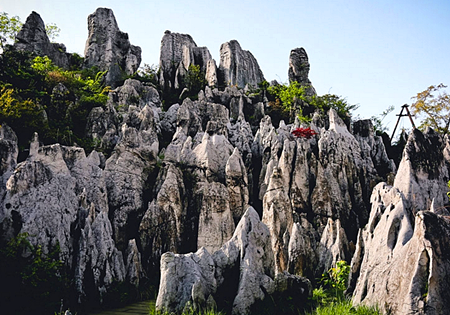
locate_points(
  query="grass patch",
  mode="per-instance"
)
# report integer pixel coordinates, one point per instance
(344, 308)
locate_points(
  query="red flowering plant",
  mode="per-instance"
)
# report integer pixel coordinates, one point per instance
(307, 133)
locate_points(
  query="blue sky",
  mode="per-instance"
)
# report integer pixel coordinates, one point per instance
(374, 53)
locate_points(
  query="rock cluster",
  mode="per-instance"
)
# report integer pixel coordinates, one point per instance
(227, 204)
(178, 52)
(200, 280)
(401, 249)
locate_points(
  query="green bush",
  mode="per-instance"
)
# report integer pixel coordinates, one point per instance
(31, 280)
(330, 297)
(293, 98)
(194, 80)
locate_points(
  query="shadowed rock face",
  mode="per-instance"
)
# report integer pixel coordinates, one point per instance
(109, 49)
(402, 253)
(238, 66)
(32, 37)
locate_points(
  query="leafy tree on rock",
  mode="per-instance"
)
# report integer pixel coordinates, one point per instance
(434, 104)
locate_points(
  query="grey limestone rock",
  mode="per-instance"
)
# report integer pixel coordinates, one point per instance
(134, 264)
(178, 52)
(8, 151)
(401, 248)
(97, 256)
(404, 253)
(238, 67)
(163, 223)
(185, 278)
(299, 69)
(237, 185)
(313, 186)
(32, 37)
(211, 73)
(109, 49)
(372, 146)
(57, 193)
(215, 223)
(423, 174)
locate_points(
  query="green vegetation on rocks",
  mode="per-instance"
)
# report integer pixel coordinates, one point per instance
(41, 97)
(31, 279)
(290, 100)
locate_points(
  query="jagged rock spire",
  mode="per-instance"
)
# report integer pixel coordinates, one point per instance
(33, 37)
(237, 66)
(109, 49)
(299, 69)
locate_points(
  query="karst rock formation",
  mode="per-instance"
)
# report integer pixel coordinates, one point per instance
(219, 200)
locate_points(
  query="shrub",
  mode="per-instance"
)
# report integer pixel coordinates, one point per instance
(293, 98)
(31, 280)
(194, 80)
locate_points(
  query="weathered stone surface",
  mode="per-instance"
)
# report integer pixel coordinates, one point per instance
(216, 225)
(173, 48)
(303, 259)
(98, 259)
(299, 69)
(32, 37)
(237, 185)
(162, 226)
(319, 187)
(55, 194)
(185, 278)
(238, 66)
(125, 173)
(401, 248)
(423, 171)
(372, 146)
(102, 126)
(8, 151)
(133, 92)
(178, 52)
(211, 73)
(133, 264)
(402, 253)
(109, 49)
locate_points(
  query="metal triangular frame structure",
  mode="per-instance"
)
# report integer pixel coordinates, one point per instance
(404, 107)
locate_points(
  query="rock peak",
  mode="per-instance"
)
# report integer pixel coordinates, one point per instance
(299, 69)
(237, 66)
(109, 49)
(33, 37)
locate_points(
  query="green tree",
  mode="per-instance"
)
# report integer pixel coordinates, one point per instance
(195, 80)
(52, 31)
(434, 104)
(9, 27)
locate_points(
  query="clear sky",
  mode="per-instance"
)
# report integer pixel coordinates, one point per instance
(376, 53)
